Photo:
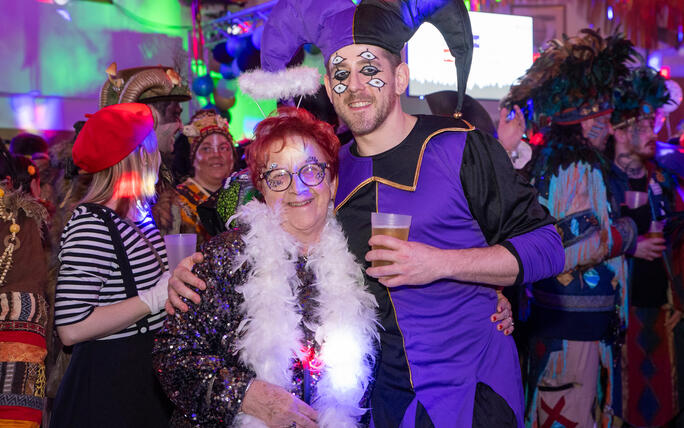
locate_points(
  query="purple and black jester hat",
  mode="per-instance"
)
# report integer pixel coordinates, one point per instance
(389, 24)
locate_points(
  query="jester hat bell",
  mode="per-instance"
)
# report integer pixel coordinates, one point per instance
(389, 24)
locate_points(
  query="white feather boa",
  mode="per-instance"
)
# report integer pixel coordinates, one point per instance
(271, 335)
(282, 84)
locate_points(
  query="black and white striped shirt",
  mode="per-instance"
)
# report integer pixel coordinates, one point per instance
(90, 276)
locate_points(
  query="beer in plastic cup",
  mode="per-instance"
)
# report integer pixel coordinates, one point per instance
(655, 230)
(395, 225)
(178, 247)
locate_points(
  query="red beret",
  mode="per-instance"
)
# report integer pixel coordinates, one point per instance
(110, 135)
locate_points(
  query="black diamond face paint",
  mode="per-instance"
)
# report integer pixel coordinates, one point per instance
(371, 70)
(340, 75)
(376, 83)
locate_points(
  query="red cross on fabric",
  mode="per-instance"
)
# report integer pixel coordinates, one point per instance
(554, 415)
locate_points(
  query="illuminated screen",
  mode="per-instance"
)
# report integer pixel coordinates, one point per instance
(502, 52)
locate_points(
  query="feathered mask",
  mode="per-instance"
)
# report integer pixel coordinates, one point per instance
(638, 96)
(573, 79)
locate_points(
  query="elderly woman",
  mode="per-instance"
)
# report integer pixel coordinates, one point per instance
(285, 324)
(284, 333)
(111, 288)
(213, 159)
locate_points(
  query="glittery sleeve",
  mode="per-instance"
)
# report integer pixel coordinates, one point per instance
(194, 353)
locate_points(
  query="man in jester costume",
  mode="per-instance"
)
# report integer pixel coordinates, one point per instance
(577, 318)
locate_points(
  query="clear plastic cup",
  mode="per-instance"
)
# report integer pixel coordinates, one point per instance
(178, 247)
(395, 225)
(635, 199)
(655, 230)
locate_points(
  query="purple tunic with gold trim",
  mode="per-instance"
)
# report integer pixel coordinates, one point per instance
(443, 363)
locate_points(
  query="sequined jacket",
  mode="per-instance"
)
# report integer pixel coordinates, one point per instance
(195, 353)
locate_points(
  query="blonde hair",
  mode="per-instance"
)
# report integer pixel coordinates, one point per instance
(129, 182)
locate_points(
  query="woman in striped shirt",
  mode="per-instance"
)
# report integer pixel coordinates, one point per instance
(110, 289)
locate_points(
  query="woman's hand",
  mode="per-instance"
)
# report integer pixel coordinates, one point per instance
(276, 407)
(504, 314)
(179, 284)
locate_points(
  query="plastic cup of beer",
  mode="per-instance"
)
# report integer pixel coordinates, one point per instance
(395, 225)
(655, 230)
(178, 247)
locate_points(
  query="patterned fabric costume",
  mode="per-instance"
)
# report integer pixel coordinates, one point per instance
(23, 315)
(649, 378)
(576, 319)
(443, 362)
(305, 323)
(190, 196)
(579, 306)
(215, 212)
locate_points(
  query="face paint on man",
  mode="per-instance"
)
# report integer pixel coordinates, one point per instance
(339, 75)
(371, 70)
(596, 130)
(367, 55)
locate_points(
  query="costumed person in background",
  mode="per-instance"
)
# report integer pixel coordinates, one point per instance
(443, 362)
(576, 318)
(23, 283)
(213, 159)
(286, 324)
(162, 89)
(646, 193)
(35, 148)
(110, 290)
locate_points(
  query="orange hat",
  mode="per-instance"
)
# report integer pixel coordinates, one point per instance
(110, 135)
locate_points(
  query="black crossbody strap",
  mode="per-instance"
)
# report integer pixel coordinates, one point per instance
(105, 214)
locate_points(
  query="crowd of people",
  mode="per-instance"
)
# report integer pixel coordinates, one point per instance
(541, 285)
